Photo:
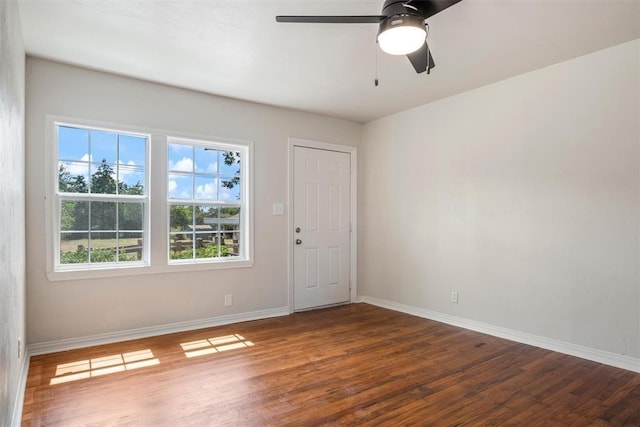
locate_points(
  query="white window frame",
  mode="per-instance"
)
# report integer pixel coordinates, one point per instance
(157, 219)
(57, 198)
(246, 233)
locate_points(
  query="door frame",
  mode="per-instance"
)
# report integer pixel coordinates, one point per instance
(353, 215)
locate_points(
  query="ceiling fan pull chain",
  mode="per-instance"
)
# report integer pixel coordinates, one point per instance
(428, 58)
(426, 24)
(376, 80)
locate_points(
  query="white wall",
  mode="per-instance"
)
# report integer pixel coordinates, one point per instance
(82, 308)
(523, 196)
(12, 201)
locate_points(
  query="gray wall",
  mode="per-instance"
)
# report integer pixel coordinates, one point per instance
(12, 202)
(523, 196)
(83, 308)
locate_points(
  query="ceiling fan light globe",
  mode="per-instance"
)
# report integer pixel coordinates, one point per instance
(401, 35)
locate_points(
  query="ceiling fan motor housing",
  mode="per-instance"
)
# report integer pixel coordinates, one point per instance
(395, 7)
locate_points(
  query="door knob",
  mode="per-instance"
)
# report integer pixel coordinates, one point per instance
(298, 242)
(297, 229)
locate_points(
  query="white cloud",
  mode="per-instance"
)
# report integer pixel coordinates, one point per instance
(207, 191)
(227, 194)
(183, 165)
(126, 169)
(174, 193)
(79, 167)
(211, 168)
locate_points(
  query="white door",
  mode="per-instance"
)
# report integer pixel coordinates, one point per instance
(321, 212)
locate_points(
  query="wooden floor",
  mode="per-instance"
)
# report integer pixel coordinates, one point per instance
(349, 365)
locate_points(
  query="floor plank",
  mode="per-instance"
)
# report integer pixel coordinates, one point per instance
(349, 365)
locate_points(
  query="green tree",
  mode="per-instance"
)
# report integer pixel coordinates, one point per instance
(231, 158)
(68, 183)
(103, 214)
(180, 217)
(102, 181)
(130, 217)
(73, 215)
(135, 190)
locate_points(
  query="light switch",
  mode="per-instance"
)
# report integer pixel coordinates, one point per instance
(278, 208)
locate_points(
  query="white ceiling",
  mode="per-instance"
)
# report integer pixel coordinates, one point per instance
(235, 48)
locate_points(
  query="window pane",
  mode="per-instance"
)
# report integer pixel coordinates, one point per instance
(180, 187)
(180, 158)
(73, 143)
(103, 216)
(207, 215)
(130, 179)
(130, 247)
(205, 238)
(206, 245)
(102, 247)
(74, 215)
(132, 150)
(99, 162)
(202, 176)
(229, 219)
(73, 177)
(206, 188)
(180, 218)
(103, 178)
(180, 248)
(207, 251)
(206, 160)
(230, 227)
(231, 244)
(230, 163)
(104, 146)
(205, 228)
(229, 188)
(73, 248)
(130, 216)
(181, 236)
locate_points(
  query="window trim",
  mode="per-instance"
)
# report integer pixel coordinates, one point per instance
(157, 226)
(244, 204)
(57, 198)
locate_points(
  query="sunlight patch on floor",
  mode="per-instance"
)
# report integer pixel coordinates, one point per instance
(81, 369)
(215, 345)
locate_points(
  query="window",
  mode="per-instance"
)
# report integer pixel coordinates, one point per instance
(101, 200)
(111, 214)
(207, 200)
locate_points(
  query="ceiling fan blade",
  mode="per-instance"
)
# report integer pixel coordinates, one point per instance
(365, 19)
(428, 8)
(421, 59)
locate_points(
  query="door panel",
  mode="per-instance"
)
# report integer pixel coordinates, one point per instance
(321, 209)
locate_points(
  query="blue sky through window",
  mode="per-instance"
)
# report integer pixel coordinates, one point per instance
(81, 152)
(196, 173)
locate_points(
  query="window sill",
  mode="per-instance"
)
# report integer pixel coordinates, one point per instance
(139, 270)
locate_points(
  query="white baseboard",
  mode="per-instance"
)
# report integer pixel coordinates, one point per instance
(600, 356)
(131, 334)
(18, 404)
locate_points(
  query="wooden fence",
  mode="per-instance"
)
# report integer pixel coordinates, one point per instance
(177, 246)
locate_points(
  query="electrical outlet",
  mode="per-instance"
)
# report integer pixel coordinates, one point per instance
(454, 296)
(228, 300)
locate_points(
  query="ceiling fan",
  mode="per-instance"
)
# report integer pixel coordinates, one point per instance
(403, 28)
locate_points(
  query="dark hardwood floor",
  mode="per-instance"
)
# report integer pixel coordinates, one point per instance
(349, 365)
